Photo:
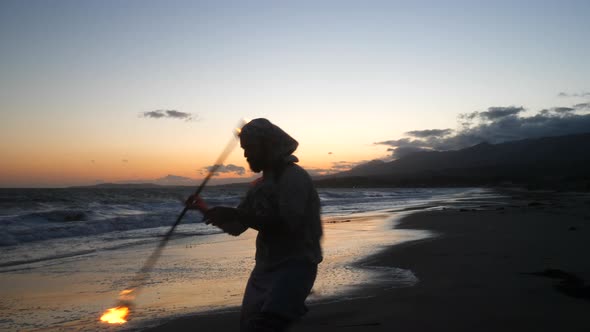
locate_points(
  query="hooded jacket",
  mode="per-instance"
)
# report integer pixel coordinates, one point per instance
(283, 205)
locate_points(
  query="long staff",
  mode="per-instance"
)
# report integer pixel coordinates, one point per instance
(118, 315)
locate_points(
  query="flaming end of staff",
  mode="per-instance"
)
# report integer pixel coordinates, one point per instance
(240, 125)
(117, 315)
(120, 313)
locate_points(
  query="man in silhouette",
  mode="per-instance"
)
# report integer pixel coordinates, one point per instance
(284, 207)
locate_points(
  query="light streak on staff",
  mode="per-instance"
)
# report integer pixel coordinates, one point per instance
(120, 313)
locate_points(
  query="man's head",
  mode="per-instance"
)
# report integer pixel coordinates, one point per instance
(265, 144)
(255, 153)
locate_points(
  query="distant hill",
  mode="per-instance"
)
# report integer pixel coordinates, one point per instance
(154, 185)
(542, 162)
(121, 185)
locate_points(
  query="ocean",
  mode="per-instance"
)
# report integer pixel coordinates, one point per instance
(66, 253)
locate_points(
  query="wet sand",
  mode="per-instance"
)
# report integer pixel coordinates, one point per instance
(522, 266)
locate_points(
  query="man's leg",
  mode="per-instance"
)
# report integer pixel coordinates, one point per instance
(291, 284)
(275, 298)
(256, 288)
(266, 322)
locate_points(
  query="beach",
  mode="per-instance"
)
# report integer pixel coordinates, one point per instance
(69, 252)
(394, 259)
(516, 266)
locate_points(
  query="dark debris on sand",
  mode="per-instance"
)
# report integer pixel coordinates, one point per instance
(569, 284)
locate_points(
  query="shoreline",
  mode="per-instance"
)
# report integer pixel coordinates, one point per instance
(208, 273)
(355, 273)
(487, 269)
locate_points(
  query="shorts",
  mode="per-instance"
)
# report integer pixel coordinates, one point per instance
(277, 293)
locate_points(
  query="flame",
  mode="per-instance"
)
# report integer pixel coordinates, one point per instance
(126, 292)
(117, 315)
(241, 124)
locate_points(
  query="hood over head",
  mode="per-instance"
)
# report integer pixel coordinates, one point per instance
(281, 145)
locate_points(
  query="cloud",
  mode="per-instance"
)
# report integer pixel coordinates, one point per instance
(578, 95)
(429, 133)
(229, 168)
(337, 166)
(492, 114)
(154, 114)
(563, 109)
(178, 114)
(172, 177)
(318, 171)
(173, 180)
(405, 146)
(403, 151)
(407, 142)
(170, 114)
(496, 125)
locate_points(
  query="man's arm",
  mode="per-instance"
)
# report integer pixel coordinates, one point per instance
(226, 218)
(293, 198)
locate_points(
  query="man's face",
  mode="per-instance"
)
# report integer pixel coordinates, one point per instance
(254, 154)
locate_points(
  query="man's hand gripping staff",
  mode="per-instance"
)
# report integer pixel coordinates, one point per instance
(225, 218)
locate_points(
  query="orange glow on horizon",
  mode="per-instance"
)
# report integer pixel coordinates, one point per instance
(62, 167)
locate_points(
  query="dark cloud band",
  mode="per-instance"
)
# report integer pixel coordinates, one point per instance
(579, 95)
(429, 133)
(496, 125)
(171, 114)
(229, 168)
(492, 114)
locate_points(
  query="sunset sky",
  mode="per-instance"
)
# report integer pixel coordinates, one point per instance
(117, 91)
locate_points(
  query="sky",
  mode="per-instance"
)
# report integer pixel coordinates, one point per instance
(133, 91)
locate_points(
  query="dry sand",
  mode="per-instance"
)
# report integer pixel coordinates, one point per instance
(520, 267)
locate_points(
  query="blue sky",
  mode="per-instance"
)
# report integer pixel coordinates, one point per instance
(337, 75)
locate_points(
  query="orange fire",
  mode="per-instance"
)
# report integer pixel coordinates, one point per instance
(238, 129)
(117, 315)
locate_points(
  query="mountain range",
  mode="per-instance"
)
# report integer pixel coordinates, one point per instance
(556, 162)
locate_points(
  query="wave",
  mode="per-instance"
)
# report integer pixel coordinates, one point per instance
(37, 215)
(71, 225)
(66, 224)
(32, 215)
(47, 251)
(61, 215)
